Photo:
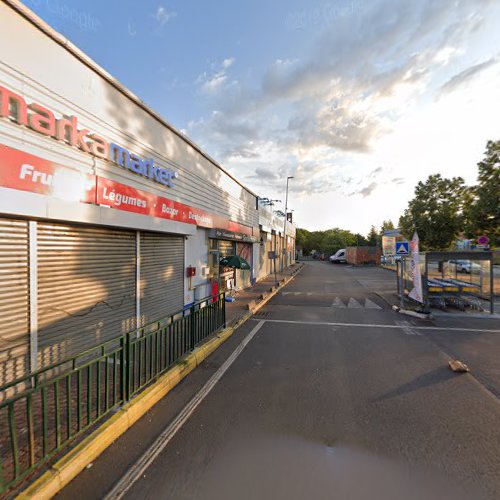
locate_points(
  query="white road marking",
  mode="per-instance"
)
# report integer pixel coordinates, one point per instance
(338, 303)
(371, 305)
(354, 304)
(138, 469)
(375, 325)
(407, 328)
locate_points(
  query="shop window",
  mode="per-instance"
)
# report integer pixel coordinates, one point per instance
(212, 244)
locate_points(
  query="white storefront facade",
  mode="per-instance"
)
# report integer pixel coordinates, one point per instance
(109, 217)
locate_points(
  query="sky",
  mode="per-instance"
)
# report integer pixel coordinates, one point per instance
(358, 100)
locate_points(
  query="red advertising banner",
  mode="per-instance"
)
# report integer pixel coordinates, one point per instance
(25, 172)
(123, 197)
(116, 195)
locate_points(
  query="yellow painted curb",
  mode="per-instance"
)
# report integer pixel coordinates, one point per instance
(68, 467)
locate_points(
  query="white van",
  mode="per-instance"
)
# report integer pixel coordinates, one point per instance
(339, 257)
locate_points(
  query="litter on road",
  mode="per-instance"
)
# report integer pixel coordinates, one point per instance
(457, 366)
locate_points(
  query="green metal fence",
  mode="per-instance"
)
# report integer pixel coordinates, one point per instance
(42, 412)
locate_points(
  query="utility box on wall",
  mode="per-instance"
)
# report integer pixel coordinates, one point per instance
(201, 292)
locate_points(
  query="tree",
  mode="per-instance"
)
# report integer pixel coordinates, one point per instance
(361, 241)
(436, 212)
(327, 242)
(483, 212)
(335, 239)
(386, 226)
(373, 237)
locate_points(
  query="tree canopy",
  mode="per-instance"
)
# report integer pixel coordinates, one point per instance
(441, 210)
(483, 212)
(436, 212)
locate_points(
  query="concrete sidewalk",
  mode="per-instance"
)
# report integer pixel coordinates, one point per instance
(244, 298)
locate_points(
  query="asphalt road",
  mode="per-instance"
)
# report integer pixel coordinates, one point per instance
(335, 396)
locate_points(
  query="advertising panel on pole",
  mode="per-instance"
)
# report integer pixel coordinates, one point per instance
(389, 245)
(416, 293)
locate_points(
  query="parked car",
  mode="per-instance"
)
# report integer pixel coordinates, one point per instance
(466, 266)
(339, 257)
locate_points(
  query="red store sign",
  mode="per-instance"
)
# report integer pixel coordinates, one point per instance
(26, 172)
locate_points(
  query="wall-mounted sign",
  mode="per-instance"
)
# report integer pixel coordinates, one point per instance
(66, 129)
(26, 172)
(222, 234)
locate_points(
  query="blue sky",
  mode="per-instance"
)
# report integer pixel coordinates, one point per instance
(357, 99)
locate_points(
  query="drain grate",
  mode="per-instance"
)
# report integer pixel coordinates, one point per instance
(261, 314)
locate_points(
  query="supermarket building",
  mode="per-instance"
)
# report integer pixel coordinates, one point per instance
(109, 217)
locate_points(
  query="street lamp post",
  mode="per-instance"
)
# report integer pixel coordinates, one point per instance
(284, 226)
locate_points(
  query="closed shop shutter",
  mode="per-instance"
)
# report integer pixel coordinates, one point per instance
(14, 299)
(86, 288)
(162, 275)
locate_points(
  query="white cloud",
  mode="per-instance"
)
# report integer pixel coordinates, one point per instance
(331, 117)
(163, 16)
(211, 83)
(467, 75)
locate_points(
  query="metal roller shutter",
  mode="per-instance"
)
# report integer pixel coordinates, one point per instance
(86, 288)
(162, 275)
(14, 299)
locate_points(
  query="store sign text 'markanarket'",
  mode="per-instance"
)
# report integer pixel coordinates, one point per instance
(65, 129)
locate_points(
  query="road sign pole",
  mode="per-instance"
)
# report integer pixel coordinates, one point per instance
(401, 284)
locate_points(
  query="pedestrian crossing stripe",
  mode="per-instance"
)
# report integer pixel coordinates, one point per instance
(352, 303)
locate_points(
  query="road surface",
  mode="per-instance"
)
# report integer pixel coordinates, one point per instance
(334, 396)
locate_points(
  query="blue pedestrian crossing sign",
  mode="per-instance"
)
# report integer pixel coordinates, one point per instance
(402, 248)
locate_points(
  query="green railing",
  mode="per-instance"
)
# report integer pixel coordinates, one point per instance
(44, 411)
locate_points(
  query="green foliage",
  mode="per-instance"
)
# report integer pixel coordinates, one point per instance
(436, 212)
(440, 211)
(386, 226)
(444, 208)
(373, 237)
(483, 212)
(328, 241)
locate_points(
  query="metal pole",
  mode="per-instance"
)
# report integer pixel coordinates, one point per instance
(284, 226)
(138, 322)
(401, 266)
(425, 287)
(33, 294)
(492, 284)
